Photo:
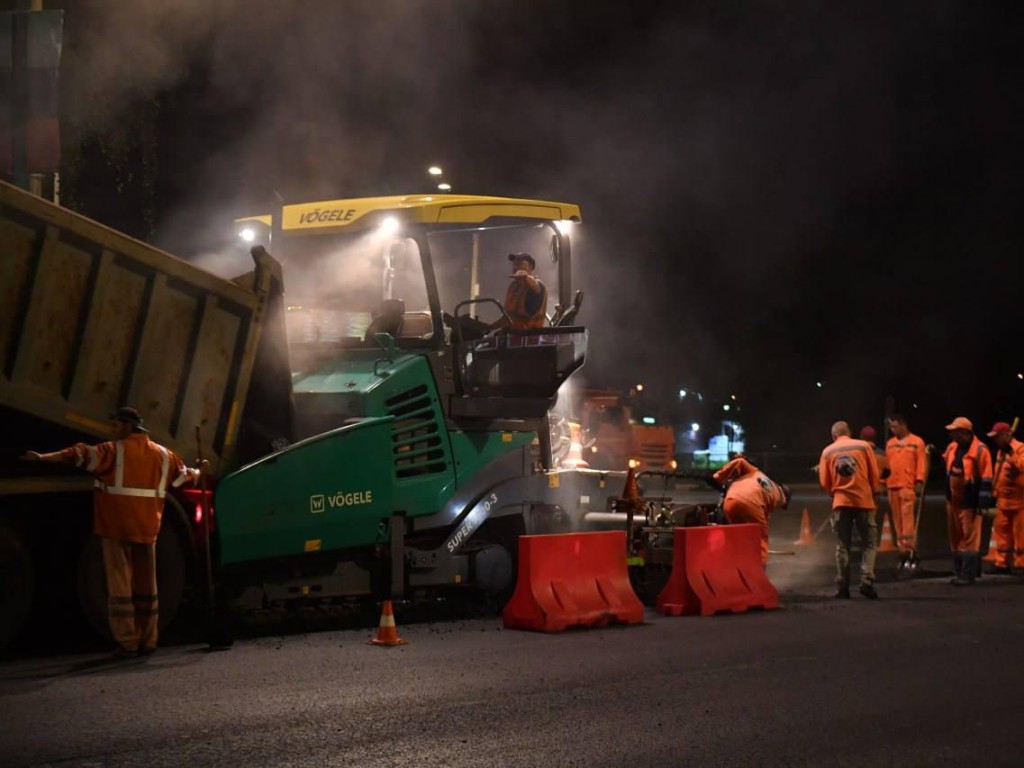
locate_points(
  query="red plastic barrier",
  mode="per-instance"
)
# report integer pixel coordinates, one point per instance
(716, 569)
(572, 580)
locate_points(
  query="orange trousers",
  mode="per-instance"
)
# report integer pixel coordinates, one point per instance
(902, 502)
(964, 528)
(739, 511)
(1008, 531)
(132, 607)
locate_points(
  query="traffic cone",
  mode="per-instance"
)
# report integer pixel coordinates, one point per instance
(387, 632)
(806, 537)
(886, 542)
(574, 458)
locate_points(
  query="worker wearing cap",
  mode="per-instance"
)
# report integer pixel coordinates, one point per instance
(132, 475)
(750, 497)
(1008, 485)
(968, 492)
(526, 300)
(848, 471)
(907, 461)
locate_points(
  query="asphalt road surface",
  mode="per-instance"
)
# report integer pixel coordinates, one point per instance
(927, 676)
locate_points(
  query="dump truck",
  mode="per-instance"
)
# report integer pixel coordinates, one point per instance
(374, 428)
(612, 438)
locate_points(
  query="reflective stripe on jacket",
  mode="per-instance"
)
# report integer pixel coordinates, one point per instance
(976, 474)
(132, 477)
(526, 308)
(907, 461)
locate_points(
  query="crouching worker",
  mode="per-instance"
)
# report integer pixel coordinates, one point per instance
(750, 497)
(132, 476)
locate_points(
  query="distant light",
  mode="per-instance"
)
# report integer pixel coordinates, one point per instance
(732, 396)
(649, 420)
(564, 226)
(817, 384)
(639, 387)
(435, 170)
(682, 393)
(389, 225)
(634, 463)
(1020, 375)
(915, 405)
(444, 186)
(248, 234)
(673, 464)
(725, 407)
(695, 427)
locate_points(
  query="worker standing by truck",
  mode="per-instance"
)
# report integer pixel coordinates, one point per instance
(750, 497)
(907, 462)
(968, 493)
(132, 476)
(848, 472)
(1008, 486)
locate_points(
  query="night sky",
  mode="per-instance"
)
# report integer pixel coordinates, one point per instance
(774, 193)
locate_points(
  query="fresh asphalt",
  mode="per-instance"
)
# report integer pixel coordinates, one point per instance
(925, 676)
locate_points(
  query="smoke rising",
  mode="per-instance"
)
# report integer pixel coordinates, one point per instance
(773, 195)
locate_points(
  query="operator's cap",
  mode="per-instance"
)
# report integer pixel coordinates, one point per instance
(960, 422)
(129, 416)
(513, 257)
(868, 433)
(998, 428)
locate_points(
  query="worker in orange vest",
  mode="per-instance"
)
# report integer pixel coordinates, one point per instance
(848, 471)
(907, 460)
(750, 497)
(527, 297)
(1008, 526)
(968, 494)
(132, 476)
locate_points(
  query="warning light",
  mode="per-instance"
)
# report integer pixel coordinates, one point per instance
(198, 516)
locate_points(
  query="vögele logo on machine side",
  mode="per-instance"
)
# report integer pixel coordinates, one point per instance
(321, 502)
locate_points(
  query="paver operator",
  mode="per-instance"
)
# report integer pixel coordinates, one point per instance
(526, 300)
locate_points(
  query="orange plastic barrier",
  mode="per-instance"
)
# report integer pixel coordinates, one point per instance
(572, 580)
(715, 569)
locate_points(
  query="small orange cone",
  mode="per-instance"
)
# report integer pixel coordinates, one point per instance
(886, 544)
(387, 632)
(806, 537)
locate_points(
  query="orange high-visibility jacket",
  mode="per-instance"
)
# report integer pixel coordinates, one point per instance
(750, 485)
(908, 461)
(132, 477)
(526, 308)
(1009, 479)
(976, 473)
(848, 472)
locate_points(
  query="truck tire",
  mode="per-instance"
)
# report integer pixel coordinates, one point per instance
(16, 584)
(171, 573)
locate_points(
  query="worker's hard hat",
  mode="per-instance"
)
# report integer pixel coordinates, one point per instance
(999, 427)
(514, 257)
(960, 422)
(129, 416)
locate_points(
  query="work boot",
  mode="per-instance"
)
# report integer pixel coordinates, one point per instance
(842, 593)
(868, 590)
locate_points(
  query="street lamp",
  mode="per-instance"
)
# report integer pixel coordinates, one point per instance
(435, 170)
(444, 186)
